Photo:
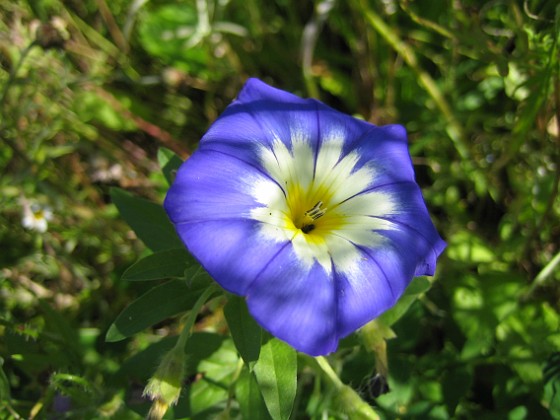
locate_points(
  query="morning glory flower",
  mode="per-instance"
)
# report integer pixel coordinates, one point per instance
(312, 215)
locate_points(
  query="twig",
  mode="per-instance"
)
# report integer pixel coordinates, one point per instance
(114, 29)
(153, 130)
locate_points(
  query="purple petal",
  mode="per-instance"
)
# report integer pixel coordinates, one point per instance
(230, 250)
(411, 249)
(209, 203)
(295, 304)
(260, 115)
(386, 147)
(211, 185)
(416, 236)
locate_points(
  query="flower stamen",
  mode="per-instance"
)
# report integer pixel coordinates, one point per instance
(316, 211)
(311, 215)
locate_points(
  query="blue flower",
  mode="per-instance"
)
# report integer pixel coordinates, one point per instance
(312, 215)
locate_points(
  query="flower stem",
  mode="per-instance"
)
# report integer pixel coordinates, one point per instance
(186, 333)
(329, 372)
(164, 387)
(347, 400)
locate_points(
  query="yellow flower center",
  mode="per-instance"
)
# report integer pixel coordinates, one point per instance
(39, 214)
(311, 212)
(306, 222)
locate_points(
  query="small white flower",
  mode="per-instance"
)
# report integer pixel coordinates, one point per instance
(36, 217)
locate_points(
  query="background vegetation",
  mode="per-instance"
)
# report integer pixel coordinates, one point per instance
(91, 90)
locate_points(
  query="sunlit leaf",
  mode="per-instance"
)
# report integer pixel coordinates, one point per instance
(276, 374)
(249, 397)
(169, 163)
(217, 368)
(466, 246)
(245, 331)
(91, 106)
(171, 33)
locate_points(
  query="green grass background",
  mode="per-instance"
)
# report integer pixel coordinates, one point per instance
(91, 90)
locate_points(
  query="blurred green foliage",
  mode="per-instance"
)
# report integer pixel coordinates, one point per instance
(91, 90)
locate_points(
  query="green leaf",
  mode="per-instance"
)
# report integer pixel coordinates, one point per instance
(157, 304)
(148, 220)
(276, 374)
(249, 397)
(140, 366)
(418, 286)
(169, 163)
(551, 376)
(161, 265)
(245, 331)
(208, 395)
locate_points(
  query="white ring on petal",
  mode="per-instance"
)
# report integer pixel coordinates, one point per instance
(332, 179)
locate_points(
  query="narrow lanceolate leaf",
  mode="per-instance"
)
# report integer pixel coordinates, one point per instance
(157, 304)
(244, 329)
(161, 265)
(249, 397)
(169, 163)
(276, 374)
(148, 220)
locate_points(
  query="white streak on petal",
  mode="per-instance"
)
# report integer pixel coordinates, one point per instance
(337, 174)
(345, 256)
(274, 213)
(276, 160)
(302, 163)
(373, 203)
(309, 252)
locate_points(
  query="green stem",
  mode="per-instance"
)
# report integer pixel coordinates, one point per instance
(347, 400)
(425, 22)
(543, 275)
(186, 333)
(329, 372)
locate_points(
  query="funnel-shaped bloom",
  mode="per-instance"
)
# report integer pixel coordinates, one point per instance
(312, 215)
